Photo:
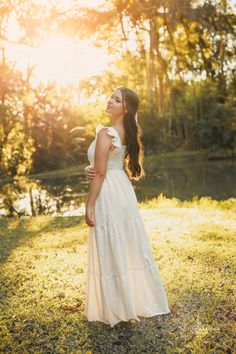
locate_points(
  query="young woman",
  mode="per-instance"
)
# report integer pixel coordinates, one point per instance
(123, 280)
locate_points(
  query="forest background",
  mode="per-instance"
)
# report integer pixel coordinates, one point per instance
(179, 56)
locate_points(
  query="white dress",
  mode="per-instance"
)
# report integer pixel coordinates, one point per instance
(123, 280)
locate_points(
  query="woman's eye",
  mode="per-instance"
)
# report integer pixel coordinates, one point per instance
(116, 99)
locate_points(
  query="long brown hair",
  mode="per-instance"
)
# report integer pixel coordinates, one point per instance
(133, 135)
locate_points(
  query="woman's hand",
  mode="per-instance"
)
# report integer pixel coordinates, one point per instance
(89, 172)
(89, 216)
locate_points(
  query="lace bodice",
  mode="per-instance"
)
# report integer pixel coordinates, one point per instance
(116, 157)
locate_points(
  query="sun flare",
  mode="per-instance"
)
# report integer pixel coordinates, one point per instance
(61, 59)
(67, 61)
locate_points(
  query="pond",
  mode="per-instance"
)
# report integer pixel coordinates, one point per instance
(182, 179)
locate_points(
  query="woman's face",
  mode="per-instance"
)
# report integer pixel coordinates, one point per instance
(114, 104)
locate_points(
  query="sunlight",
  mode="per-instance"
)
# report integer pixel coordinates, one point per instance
(65, 4)
(55, 60)
(61, 59)
(68, 61)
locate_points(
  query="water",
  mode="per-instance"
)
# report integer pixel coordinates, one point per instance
(182, 179)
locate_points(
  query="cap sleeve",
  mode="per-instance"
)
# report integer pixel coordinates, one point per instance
(99, 127)
(112, 132)
(115, 137)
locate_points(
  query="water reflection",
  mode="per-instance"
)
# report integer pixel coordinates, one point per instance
(183, 180)
(55, 196)
(67, 196)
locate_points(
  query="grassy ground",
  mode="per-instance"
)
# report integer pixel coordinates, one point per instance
(43, 273)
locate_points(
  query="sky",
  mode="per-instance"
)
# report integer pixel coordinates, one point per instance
(60, 58)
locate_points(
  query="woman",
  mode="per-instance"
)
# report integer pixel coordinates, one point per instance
(123, 280)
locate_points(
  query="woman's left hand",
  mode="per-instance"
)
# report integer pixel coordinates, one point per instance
(89, 216)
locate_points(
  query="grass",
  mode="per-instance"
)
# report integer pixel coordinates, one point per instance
(43, 273)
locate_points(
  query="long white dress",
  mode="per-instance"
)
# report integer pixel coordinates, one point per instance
(123, 280)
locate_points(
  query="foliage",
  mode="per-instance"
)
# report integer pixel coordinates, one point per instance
(178, 57)
(17, 152)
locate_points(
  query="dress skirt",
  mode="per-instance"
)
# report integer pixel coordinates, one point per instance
(123, 280)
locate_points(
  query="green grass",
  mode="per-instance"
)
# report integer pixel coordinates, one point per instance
(43, 273)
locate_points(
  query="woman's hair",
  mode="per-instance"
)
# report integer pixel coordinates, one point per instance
(133, 134)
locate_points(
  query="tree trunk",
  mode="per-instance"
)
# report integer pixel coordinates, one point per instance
(151, 68)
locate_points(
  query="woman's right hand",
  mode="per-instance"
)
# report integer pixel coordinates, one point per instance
(89, 172)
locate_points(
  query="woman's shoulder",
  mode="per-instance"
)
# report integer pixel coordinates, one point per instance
(109, 131)
(99, 127)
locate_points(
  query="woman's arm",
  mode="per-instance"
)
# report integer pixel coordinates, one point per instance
(103, 144)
